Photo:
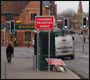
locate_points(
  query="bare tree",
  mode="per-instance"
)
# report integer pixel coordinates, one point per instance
(68, 13)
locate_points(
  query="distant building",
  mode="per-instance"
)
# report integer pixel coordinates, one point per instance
(24, 11)
(77, 18)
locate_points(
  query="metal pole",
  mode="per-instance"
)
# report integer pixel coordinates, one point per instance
(4, 36)
(49, 51)
(49, 48)
(28, 41)
(37, 42)
(7, 34)
(13, 44)
(65, 33)
(62, 22)
(41, 8)
(83, 40)
(37, 48)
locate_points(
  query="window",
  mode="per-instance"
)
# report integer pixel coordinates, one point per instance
(11, 36)
(27, 36)
(8, 16)
(27, 10)
(33, 17)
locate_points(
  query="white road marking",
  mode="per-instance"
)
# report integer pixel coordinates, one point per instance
(86, 56)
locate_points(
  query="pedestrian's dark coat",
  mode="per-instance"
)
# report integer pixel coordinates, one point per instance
(72, 38)
(9, 49)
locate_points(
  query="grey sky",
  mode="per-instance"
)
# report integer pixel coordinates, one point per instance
(62, 5)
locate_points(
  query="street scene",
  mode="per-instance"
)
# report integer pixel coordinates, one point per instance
(39, 42)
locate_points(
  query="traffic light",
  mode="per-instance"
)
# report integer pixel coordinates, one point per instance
(65, 23)
(12, 27)
(84, 22)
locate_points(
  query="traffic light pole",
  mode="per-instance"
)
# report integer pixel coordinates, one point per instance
(28, 41)
(65, 33)
(83, 39)
(84, 27)
(7, 34)
(4, 36)
(13, 45)
(12, 31)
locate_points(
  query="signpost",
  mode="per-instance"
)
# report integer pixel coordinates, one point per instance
(49, 47)
(44, 22)
(37, 41)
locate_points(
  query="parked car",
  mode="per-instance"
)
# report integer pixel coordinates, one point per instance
(64, 46)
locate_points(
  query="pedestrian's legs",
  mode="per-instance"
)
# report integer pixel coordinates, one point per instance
(9, 58)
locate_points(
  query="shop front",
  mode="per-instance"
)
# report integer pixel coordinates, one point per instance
(22, 37)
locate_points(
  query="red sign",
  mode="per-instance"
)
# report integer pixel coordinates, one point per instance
(55, 61)
(44, 22)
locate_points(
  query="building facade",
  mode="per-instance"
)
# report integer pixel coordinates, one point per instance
(77, 18)
(24, 11)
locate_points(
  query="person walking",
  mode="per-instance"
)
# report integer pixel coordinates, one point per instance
(9, 52)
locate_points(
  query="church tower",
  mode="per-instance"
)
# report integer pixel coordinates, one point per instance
(80, 10)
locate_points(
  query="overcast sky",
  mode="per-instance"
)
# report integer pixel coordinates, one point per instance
(62, 5)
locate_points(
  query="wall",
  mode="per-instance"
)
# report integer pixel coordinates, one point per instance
(32, 7)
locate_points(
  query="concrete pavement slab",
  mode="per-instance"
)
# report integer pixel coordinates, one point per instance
(22, 68)
(87, 38)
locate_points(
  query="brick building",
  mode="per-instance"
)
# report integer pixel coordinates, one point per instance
(24, 11)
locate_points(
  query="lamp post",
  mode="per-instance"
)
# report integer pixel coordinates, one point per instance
(40, 8)
(38, 32)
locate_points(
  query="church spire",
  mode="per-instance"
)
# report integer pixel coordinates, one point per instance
(80, 10)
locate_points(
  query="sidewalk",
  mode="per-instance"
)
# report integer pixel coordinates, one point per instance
(22, 68)
(87, 38)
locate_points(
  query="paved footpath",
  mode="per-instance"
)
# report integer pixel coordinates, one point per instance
(22, 68)
(87, 38)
